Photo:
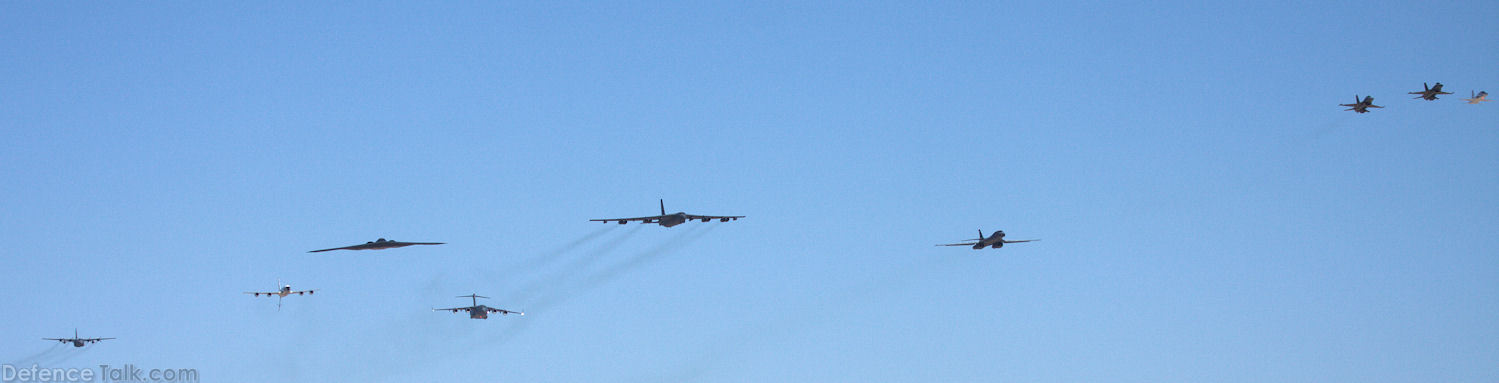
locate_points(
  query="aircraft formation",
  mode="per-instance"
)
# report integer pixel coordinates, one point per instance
(995, 240)
(1428, 93)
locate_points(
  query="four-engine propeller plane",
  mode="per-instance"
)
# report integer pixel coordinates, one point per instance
(478, 311)
(1361, 106)
(379, 244)
(76, 341)
(669, 220)
(1430, 93)
(1477, 98)
(995, 240)
(281, 293)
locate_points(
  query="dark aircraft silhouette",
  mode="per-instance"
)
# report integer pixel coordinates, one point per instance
(669, 220)
(378, 244)
(76, 341)
(996, 240)
(1361, 106)
(1431, 92)
(1477, 98)
(478, 311)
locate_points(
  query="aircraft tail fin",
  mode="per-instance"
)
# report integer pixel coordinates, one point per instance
(981, 234)
(663, 206)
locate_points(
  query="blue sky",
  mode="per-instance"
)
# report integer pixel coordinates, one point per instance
(1208, 212)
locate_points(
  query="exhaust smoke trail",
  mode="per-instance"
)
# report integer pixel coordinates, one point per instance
(34, 358)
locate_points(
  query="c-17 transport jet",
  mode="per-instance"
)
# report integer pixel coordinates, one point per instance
(76, 341)
(669, 220)
(1361, 106)
(378, 244)
(1431, 92)
(1477, 98)
(478, 311)
(280, 293)
(996, 240)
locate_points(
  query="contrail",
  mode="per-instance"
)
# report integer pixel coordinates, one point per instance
(66, 356)
(564, 289)
(582, 262)
(555, 254)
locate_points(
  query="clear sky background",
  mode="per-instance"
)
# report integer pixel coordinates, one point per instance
(1207, 211)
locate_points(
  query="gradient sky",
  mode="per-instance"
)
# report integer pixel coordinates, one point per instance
(1207, 211)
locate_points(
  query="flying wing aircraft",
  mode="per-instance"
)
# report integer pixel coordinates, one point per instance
(1477, 98)
(478, 311)
(1361, 106)
(378, 244)
(995, 240)
(669, 220)
(1431, 92)
(280, 293)
(76, 341)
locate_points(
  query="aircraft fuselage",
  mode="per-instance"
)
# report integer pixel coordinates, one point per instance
(78, 343)
(674, 219)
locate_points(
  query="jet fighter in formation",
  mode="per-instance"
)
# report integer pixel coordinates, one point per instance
(995, 240)
(379, 244)
(1430, 93)
(669, 220)
(1361, 106)
(76, 341)
(478, 311)
(1477, 98)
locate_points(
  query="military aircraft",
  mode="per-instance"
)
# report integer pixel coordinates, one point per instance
(1361, 106)
(1477, 98)
(281, 293)
(478, 311)
(76, 341)
(1431, 92)
(996, 240)
(669, 220)
(378, 244)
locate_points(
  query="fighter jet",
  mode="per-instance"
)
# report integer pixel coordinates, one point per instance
(1361, 106)
(996, 240)
(478, 311)
(1477, 98)
(281, 293)
(1430, 93)
(76, 341)
(378, 244)
(669, 220)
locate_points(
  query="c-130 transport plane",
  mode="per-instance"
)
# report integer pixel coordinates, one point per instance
(76, 341)
(995, 240)
(669, 220)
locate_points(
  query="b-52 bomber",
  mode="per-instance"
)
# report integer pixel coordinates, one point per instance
(995, 240)
(478, 311)
(669, 220)
(76, 341)
(1361, 106)
(379, 244)
(1430, 93)
(1477, 98)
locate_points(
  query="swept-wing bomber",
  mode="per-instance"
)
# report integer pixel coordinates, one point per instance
(76, 341)
(378, 244)
(995, 240)
(478, 311)
(669, 220)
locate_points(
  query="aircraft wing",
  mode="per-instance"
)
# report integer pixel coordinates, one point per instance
(651, 218)
(960, 244)
(304, 292)
(503, 311)
(713, 217)
(453, 309)
(337, 248)
(95, 339)
(1023, 240)
(59, 340)
(257, 293)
